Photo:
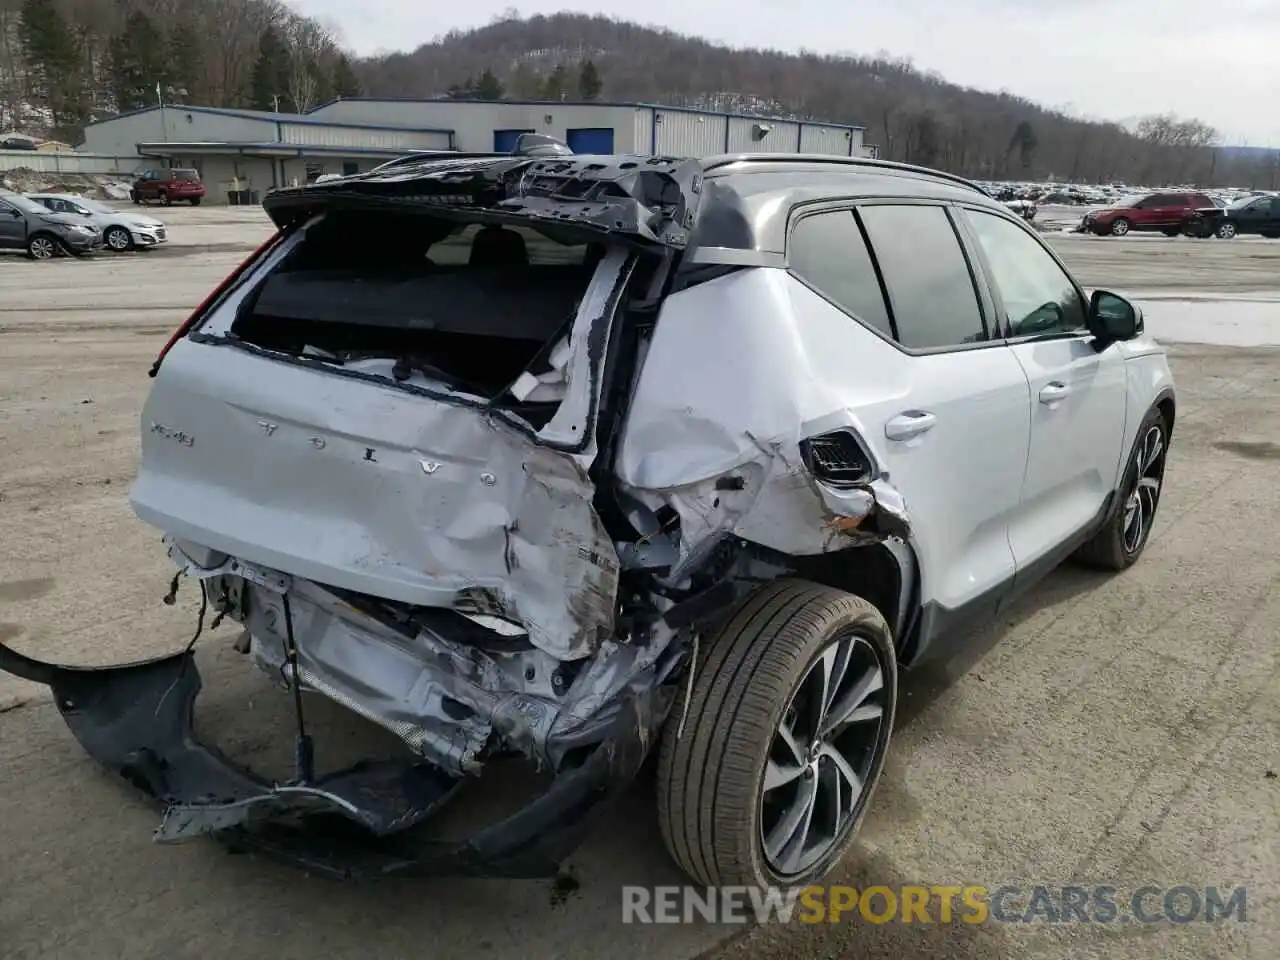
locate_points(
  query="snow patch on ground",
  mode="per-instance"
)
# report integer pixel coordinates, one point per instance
(99, 186)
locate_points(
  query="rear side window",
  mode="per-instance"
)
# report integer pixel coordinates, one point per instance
(931, 289)
(828, 252)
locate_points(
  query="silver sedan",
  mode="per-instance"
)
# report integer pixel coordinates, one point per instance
(121, 229)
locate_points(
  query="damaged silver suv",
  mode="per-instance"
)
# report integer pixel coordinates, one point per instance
(585, 458)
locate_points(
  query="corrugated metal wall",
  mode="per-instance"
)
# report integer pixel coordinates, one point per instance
(684, 134)
(778, 136)
(643, 127)
(474, 124)
(318, 135)
(817, 139)
(121, 135)
(690, 134)
(68, 162)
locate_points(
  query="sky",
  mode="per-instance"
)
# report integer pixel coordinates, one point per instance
(1113, 59)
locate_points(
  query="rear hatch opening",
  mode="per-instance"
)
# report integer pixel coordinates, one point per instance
(484, 310)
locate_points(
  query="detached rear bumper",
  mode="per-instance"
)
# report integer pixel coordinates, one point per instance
(136, 720)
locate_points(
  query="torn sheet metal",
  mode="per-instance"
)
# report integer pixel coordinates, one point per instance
(773, 500)
(442, 692)
(136, 720)
(644, 199)
(364, 486)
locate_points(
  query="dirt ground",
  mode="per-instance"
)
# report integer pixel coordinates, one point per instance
(1107, 731)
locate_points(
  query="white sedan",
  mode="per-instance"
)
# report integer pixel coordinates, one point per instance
(121, 229)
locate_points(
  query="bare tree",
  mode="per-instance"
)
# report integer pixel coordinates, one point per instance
(308, 44)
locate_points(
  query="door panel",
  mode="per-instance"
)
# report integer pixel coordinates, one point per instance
(13, 230)
(590, 140)
(961, 450)
(1077, 396)
(1077, 428)
(504, 141)
(950, 428)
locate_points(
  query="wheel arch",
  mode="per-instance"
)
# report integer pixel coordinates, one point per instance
(885, 574)
(47, 234)
(1166, 403)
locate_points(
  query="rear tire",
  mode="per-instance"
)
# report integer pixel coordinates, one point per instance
(195, 201)
(164, 199)
(756, 747)
(1120, 542)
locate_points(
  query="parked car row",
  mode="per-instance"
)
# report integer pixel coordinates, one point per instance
(1185, 213)
(1105, 194)
(47, 224)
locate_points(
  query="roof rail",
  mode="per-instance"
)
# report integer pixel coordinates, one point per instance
(728, 159)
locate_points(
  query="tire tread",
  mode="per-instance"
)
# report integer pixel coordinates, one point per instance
(707, 779)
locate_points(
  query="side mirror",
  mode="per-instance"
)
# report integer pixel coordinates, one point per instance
(15, 213)
(1113, 318)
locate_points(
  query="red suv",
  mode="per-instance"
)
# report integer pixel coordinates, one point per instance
(1166, 212)
(168, 186)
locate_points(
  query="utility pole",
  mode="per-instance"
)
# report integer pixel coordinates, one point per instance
(164, 123)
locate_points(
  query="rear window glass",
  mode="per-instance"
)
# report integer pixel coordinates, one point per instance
(185, 174)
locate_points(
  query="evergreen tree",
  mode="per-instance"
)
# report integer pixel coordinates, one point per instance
(269, 81)
(344, 82)
(556, 84)
(525, 82)
(139, 61)
(589, 82)
(186, 61)
(462, 91)
(488, 87)
(51, 57)
(1025, 142)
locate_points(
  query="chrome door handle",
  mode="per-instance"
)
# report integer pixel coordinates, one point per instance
(1053, 392)
(910, 424)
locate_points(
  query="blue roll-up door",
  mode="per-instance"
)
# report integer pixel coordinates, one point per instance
(504, 141)
(590, 140)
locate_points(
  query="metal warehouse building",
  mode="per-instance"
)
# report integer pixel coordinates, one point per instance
(256, 150)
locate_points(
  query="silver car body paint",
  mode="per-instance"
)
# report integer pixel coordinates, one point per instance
(429, 499)
(370, 488)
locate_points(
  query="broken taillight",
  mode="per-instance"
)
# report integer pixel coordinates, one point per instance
(212, 298)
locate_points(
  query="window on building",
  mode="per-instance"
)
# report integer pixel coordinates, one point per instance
(930, 286)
